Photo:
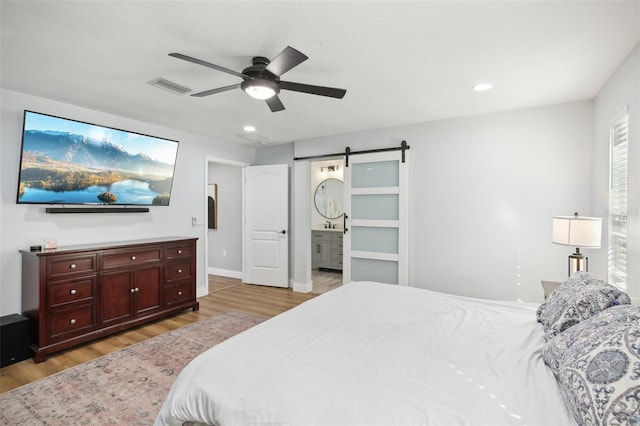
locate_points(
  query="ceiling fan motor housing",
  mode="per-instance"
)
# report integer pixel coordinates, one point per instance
(262, 84)
(257, 69)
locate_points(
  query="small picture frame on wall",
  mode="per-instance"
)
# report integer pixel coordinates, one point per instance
(212, 206)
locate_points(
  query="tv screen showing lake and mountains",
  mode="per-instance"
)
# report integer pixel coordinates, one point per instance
(71, 162)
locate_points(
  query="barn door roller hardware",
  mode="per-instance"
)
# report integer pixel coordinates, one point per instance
(347, 152)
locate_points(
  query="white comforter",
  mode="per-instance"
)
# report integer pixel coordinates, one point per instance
(376, 354)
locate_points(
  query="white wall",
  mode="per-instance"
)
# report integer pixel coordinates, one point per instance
(483, 190)
(622, 90)
(25, 225)
(225, 243)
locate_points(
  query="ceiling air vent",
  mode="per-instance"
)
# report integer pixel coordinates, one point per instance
(253, 137)
(169, 85)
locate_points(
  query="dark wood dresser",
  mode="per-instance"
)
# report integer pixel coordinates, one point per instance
(79, 293)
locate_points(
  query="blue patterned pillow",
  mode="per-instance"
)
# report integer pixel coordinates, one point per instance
(597, 364)
(580, 297)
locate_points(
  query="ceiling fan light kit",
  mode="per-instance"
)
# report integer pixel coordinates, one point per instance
(262, 81)
(260, 89)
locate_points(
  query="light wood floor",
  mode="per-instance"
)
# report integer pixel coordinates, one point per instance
(224, 294)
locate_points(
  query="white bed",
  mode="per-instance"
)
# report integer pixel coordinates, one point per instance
(376, 354)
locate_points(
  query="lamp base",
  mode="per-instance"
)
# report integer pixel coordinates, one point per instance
(578, 262)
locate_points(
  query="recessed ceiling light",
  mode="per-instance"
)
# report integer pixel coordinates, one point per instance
(482, 87)
(249, 128)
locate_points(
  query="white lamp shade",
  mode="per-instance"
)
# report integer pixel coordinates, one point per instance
(578, 231)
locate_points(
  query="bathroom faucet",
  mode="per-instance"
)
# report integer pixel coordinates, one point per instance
(327, 225)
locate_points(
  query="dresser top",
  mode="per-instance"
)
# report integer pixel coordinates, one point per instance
(106, 245)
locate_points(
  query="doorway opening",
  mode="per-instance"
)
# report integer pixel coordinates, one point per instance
(223, 243)
(327, 224)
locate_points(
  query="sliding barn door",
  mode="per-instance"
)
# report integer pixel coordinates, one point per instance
(376, 208)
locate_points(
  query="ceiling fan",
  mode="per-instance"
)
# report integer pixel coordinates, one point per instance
(262, 78)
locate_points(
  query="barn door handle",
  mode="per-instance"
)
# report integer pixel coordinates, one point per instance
(344, 223)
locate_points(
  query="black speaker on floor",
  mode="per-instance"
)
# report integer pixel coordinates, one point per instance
(14, 339)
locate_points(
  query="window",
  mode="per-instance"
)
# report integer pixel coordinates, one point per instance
(618, 166)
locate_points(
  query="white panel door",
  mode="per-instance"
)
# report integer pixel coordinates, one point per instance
(376, 221)
(266, 222)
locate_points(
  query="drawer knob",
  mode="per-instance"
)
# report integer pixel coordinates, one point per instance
(73, 321)
(179, 251)
(179, 293)
(73, 266)
(132, 290)
(179, 271)
(73, 291)
(137, 289)
(133, 258)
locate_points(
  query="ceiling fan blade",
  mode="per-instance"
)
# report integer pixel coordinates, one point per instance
(313, 90)
(218, 90)
(275, 104)
(207, 64)
(286, 60)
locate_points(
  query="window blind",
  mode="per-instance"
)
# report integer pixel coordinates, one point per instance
(618, 167)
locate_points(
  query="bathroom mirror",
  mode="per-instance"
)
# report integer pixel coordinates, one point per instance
(328, 198)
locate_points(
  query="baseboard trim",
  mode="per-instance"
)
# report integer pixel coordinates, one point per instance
(225, 273)
(201, 292)
(303, 287)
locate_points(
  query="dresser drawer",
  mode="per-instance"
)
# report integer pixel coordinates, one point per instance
(178, 270)
(70, 265)
(72, 322)
(179, 251)
(66, 292)
(177, 293)
(115, 258)
(320, 236)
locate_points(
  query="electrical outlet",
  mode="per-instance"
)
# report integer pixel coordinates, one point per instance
(224, 253)
(194, 221)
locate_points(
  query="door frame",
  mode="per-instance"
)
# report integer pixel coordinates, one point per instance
(300, 247)
(204, 290)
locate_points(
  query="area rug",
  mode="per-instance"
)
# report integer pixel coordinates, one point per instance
(126, 387)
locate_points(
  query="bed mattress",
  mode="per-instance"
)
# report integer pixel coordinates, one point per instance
(376, 354)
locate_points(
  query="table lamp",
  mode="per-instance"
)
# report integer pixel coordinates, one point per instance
(578, 231)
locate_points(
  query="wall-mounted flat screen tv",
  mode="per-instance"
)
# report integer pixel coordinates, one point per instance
(65, 161)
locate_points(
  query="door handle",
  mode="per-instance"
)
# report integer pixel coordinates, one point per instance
(344, 223)
(283, 232)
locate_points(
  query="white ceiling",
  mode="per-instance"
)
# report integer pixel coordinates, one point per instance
(401, 62)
